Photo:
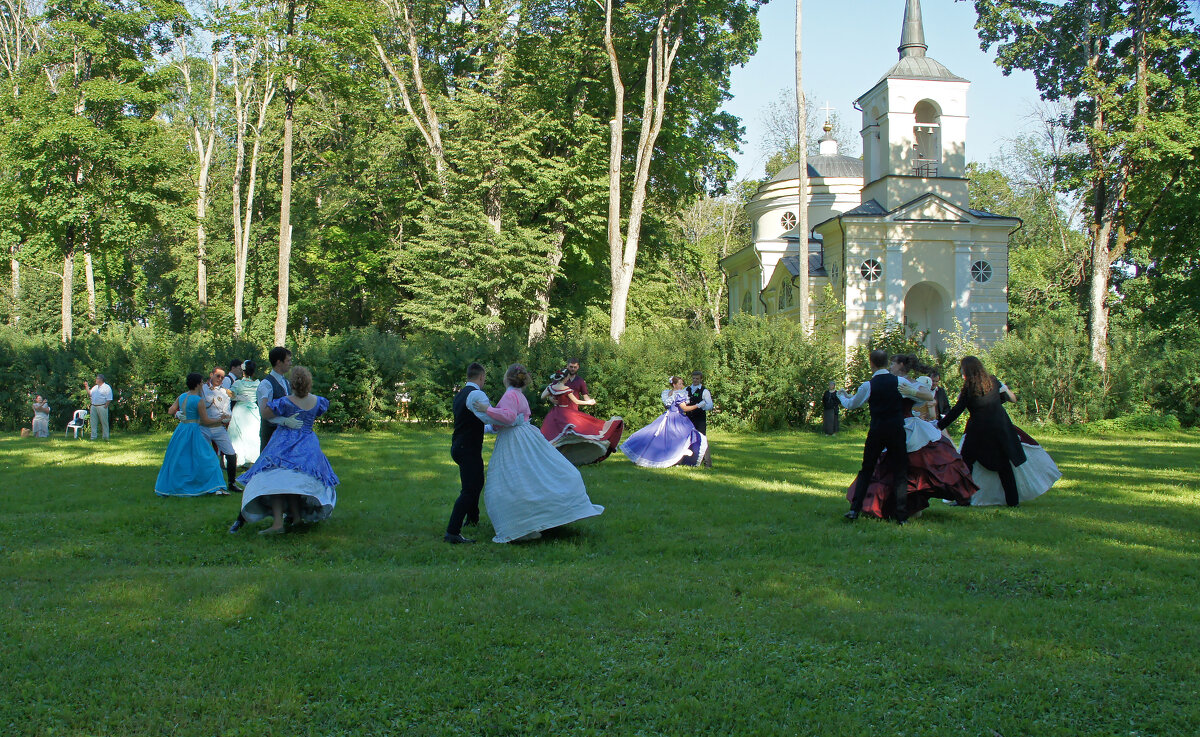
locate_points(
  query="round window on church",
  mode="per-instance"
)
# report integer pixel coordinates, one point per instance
(788, 221)
(870, 270)
(981, 272)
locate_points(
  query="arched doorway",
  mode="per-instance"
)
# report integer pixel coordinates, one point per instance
(925, 311)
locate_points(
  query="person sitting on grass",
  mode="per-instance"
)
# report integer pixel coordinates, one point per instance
(291, 470)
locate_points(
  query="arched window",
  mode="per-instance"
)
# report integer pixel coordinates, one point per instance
(786, 298)
(927, 133)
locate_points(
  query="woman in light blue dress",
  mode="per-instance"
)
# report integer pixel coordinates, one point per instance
(291, 470)
(671, 439)
(190, 467)
(245, 423)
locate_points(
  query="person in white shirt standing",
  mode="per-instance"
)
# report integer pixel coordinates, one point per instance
(234, 373)
(218, 407)
(701, 402)
(102, 396)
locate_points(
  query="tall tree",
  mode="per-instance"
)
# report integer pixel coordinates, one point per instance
(707, 39)
(1124, 65)
(290, 61)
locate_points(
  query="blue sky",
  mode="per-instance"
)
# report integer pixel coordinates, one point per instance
(849, 44)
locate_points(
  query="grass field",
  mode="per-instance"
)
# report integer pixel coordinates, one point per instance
(734, 601)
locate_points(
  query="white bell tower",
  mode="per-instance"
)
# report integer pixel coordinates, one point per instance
(915, 126)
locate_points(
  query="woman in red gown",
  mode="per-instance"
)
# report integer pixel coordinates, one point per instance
(935, 469)
(583, 439)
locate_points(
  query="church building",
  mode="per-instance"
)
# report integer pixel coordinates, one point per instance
(892, 236)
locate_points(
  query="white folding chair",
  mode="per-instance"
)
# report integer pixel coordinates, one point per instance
(77, 423)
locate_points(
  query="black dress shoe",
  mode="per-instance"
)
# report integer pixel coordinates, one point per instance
(456, 539)
(237, 525)
(851, 515)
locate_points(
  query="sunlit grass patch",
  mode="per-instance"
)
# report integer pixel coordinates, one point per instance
(730, 601)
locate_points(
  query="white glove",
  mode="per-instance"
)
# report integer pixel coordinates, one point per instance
(293, 422)
(488, 430)
(179, 415)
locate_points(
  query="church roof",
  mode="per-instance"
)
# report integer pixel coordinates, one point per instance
(921, 67)
(833, 166)
(870, 207)
(816, 265)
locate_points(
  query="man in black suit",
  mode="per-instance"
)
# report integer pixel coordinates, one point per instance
(884, 393)
(466, 448)
(939, 394)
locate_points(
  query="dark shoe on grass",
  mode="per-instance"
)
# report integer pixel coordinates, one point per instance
(457, 539)
(851, 515)
(237, 525)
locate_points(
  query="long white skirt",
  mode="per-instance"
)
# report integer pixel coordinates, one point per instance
(530, 486)
(317, 500)
(918, 433)
(1034, 477)
(243, 432)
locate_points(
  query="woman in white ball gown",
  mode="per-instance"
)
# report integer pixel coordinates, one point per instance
(530, 486)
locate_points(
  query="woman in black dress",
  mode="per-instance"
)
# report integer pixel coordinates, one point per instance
(990, 438)
(831, 405)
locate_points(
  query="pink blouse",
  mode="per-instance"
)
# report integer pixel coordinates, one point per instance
(510, 406)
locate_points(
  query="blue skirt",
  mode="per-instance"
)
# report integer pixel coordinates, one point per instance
(190, 466)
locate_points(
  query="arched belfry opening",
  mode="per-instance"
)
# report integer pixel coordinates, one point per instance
(926, 310)
(927, 137)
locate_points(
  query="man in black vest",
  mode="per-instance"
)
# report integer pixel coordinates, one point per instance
(274, 386)
(700, 400)
(466, 448)
(884, 393)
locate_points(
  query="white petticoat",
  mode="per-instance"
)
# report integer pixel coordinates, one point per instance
(530, 486)
(918, 433)
(1034, 477)
(317, 501)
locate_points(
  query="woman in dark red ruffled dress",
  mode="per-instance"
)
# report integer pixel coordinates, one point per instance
(583, 439)
(935, 469)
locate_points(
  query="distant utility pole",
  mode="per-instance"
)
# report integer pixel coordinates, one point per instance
(802, 172)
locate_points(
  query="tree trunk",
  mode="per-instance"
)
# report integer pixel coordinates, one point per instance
(241, 228)
(89, 279)
(539, 325)
(1098, 296)
(14, 316)
(285, 208)
(623, 258)
(68, 282)
(201, 243)
(802, 175)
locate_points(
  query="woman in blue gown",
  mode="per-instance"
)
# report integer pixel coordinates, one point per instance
(190, 467)
(291, 470)
(671, 439)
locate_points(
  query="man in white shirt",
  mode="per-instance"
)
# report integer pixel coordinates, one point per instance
(101, 396)
(217, 403)
(884, 393)
(701, 403)
(466, 449)
(234, 373)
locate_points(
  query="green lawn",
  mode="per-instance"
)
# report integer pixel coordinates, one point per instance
(735, 601)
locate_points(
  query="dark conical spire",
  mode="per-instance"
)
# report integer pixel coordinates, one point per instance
(912, 37)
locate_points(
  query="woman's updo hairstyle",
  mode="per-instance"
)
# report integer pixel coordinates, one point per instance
(516, 376)
(194, 380)
(301, 381)
(248, 369)
(557, 376)
(671, 381)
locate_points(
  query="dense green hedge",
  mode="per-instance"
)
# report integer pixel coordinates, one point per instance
(763, 373)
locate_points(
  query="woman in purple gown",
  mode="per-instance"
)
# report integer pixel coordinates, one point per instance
(671, 439)
(291, 470)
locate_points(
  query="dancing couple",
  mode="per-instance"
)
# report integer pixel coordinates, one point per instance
(582, 438)
(679, 435)
(529, 486)
(1008, 465)
(907, 460)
